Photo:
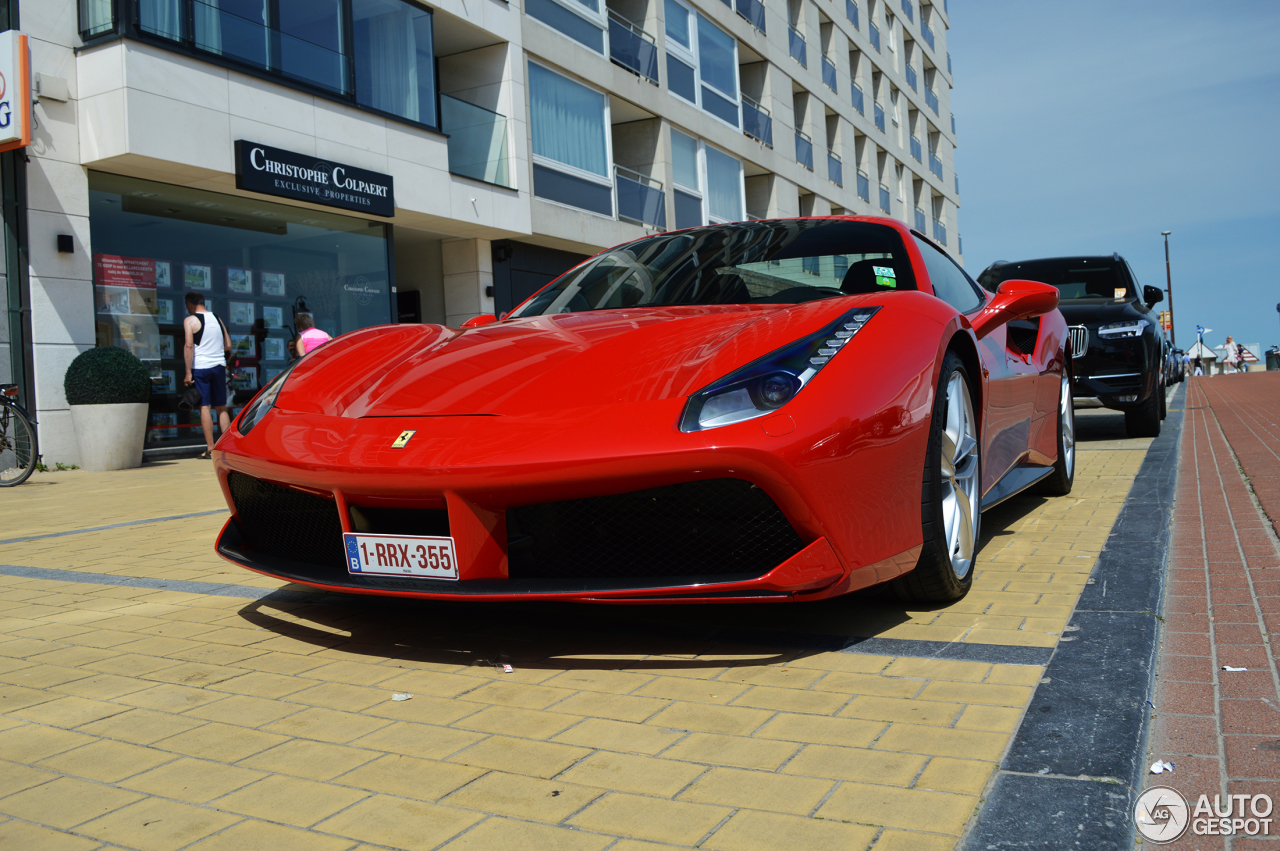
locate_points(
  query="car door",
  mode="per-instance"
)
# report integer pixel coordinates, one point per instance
(1011, 381)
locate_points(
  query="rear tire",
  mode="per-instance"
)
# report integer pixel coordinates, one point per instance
(950, 504)
(1164, 401)
(17, 447)
(1144, 420)
(1059, 482)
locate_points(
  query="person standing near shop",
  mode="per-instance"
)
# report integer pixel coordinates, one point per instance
(207, 346)
(1231, 359)
(309, 336)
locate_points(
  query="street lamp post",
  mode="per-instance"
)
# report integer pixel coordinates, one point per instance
(1168, 277)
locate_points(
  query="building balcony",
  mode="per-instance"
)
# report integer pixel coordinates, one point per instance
(864, 186)
(804, 150)
(928, 35)
(640, 198)
(922, 221)
(835, 169)
(859, 100)
(851, 12)
(753, 11)
(756, 121)
(949, 64)
(916, 151)
(939, 232)
(829, 74)
(477, 141)
(908, 10)
(879, 117)
(935, 164)
(931, 100)
(884, 199)
(799, 50)
(874, 32)
(633, 48)
(957, 180)
(953, 124)
(911, 79)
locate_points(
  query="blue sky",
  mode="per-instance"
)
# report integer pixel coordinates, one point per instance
(1090, 127)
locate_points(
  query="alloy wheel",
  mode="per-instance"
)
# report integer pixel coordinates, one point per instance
(960, 483)
(1067, 412)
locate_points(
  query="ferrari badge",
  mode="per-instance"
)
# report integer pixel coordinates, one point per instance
(403, 439)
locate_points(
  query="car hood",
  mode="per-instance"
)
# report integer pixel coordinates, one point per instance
(545, 363)
(1095, 312)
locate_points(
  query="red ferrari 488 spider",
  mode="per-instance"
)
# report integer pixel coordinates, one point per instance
(770, 410)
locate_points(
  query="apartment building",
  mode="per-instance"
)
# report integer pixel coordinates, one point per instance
(374, 161)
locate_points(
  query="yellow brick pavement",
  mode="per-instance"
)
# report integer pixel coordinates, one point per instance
(155, 719)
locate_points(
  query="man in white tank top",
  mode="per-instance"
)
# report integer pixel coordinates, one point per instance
(206, 354)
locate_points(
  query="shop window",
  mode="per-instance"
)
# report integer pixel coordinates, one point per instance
(257, 264)
(709, 183)
(571, 155)
(378, 54)
(702, 62)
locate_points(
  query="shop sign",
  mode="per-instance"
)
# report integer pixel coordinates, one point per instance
(15, 91)
(272, 171)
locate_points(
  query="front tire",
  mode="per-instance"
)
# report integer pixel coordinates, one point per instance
(1059, 482)
(950, 504)
(1144, 420)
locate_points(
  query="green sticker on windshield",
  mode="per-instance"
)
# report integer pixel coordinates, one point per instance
(885, 276)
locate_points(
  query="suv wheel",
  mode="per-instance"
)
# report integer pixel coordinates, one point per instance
(1144, 420)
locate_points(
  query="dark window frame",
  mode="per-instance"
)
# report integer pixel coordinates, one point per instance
(126, 15)
(923, 243)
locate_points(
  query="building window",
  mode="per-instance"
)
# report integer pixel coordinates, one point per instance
(702, 62)
(257, 264)
(395, 60)
(569, 124)
(581, 20)
(376, 54)
(709, 183)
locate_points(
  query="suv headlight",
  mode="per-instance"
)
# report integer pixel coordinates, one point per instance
(765, 385)
(263, 402)
(1128, 328)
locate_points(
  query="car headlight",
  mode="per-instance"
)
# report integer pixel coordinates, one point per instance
(765, 385)
(263, 402)
(1128, 328)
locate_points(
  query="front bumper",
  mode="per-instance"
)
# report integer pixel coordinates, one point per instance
(479, 476)
(1113, 370)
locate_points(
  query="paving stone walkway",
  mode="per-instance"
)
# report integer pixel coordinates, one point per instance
(154, 697)
(1221, 728)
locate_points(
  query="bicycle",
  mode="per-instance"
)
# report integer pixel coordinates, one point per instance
(18, 449)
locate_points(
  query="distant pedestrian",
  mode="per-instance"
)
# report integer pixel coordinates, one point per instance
(1241, 364)
(1186, 363)
(1199, 370)
(1231, 358)
(309, 336)
(206, 350)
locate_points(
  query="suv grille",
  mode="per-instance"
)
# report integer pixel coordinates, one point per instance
(718, 527)
(287, 524)
(1079, 340)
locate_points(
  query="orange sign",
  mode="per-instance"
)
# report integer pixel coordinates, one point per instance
(15, 91)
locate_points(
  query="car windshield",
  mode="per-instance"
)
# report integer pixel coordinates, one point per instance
(767, 262)
(1075, 277)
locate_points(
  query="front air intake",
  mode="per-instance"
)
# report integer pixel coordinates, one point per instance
(717, 528)
(288, 524)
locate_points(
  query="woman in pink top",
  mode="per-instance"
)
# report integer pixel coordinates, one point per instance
(309, 336)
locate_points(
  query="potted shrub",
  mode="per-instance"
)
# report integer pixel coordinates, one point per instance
(108, 389)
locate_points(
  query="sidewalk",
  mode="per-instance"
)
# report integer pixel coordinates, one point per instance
(1222, 604)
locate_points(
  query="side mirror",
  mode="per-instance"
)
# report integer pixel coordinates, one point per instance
(1152, 295)
(477, 321)
(1013, 301)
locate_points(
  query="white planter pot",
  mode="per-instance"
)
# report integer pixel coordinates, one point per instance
(110, 436)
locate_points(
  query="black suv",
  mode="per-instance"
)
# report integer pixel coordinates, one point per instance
(1118, 347)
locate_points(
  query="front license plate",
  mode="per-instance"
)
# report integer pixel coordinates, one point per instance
(401, 555)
